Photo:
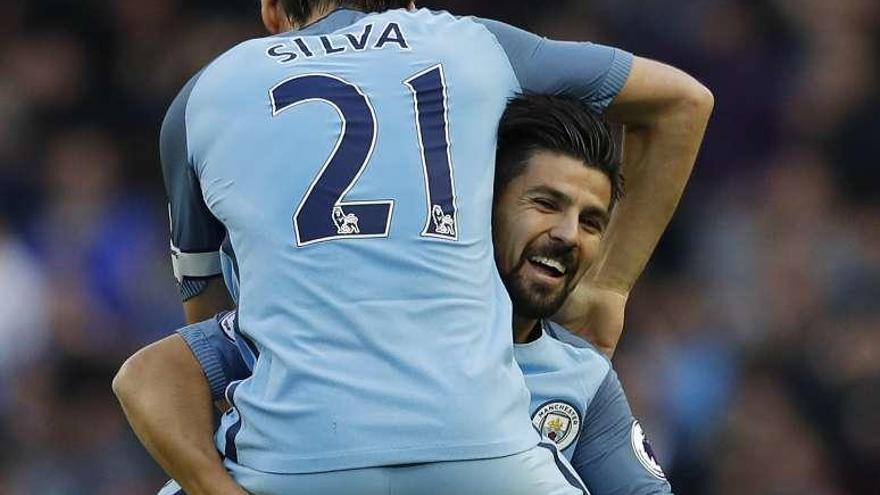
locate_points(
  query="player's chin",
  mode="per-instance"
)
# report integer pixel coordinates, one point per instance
(544, 286)
(544, 300)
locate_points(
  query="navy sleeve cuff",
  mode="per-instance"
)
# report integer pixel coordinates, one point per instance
(191, 287)
(208, 359)
(617, 75)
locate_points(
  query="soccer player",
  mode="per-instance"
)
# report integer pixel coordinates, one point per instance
(557, 180)
(324, 154)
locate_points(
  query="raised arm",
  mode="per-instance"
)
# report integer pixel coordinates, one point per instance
(665, 113)
(167, 392)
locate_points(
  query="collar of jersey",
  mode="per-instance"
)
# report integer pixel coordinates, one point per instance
(540, 342)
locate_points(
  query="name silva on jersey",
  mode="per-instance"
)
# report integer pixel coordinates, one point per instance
(292, 49)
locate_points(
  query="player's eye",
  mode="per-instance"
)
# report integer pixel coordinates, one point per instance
(592, 225)
(545, 204)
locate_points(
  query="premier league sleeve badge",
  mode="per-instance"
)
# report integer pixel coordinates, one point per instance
(644, 452)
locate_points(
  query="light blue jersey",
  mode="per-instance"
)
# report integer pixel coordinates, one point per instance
(577, 402)
(351, 166)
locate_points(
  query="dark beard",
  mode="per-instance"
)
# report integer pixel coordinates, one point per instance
(539, 301)
(534, 302)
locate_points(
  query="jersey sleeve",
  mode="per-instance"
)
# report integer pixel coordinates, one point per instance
(216, 352)
(195, 234)
(593, 73)
(612, 454)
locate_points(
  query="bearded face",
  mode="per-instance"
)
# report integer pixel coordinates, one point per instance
(548, 223)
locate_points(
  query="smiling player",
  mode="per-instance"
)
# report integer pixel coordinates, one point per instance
(348, 156)
(554, 193)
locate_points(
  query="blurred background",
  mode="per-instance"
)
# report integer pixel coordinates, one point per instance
(752, 349)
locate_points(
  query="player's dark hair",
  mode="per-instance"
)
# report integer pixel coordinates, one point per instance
(533, 123)
(300, 11)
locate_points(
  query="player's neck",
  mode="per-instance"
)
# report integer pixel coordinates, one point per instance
(321, 13)
(524, 329)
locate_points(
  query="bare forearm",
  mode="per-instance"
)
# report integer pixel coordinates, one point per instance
(595, 309)
(665, 112)
(658, 160)
(167, 401)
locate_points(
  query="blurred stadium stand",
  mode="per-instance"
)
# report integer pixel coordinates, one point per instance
(752, 349)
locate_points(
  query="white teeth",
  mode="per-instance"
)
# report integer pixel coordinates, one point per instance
(549, 263)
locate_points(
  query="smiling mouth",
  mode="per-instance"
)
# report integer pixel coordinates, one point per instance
(548, 266)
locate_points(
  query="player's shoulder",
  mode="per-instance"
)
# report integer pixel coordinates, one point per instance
(239, 55)
(208, 70)
(584, 351)
(440, 15)
(567, 337)
(467, 29)
(445, 23)
(560, 351)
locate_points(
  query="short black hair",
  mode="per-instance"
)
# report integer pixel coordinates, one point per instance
(533, 123)
(300, 11)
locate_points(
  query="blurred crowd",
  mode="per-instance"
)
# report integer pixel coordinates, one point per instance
(752, 348)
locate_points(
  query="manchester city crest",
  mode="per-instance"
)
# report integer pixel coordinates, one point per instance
(644, 452)
(559, 421)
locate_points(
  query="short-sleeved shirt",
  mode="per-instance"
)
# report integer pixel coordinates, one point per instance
(351, 166)
(577, 402)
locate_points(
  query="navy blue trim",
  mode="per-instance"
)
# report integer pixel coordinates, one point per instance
(194, 229)
(615, 78)
(230, 393)
(231, 451)
(572, 478)
(193, 286)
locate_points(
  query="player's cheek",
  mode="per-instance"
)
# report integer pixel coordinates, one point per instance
(508, 257)
(515, 246)
(590, 245)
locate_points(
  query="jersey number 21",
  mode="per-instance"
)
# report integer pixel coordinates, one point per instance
(323, 214)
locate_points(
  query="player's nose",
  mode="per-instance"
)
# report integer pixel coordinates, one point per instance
(566, 229)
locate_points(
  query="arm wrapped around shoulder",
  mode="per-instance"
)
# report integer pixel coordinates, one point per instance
(665, 113)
